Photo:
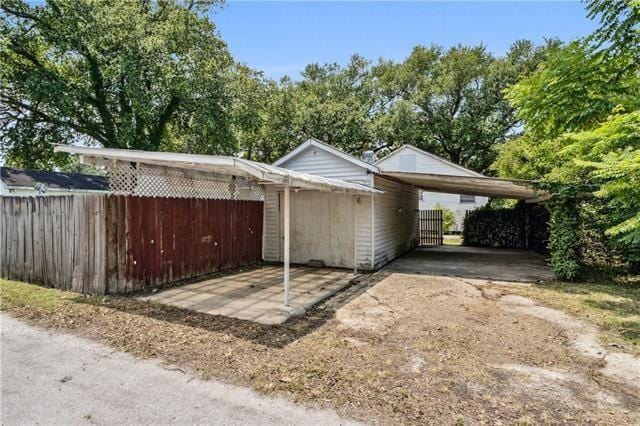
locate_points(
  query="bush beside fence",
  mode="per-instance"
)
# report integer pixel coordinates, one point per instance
(523, 227)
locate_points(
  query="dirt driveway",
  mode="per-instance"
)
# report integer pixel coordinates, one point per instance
(470, 349)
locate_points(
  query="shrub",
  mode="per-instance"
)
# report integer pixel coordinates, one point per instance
(523, 227)
(447, 217)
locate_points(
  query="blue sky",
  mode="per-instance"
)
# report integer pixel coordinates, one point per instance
(280, 38)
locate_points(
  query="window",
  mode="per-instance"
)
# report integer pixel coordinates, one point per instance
(421, 195)
(408, 163)
(466, 199)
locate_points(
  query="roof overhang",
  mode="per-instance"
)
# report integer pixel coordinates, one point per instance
(469, 185)
(252, 170)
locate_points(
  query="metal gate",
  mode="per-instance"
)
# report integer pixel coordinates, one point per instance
(430, 227)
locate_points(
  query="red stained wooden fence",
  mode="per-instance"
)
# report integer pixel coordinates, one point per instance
(155, 241)
(100, 244)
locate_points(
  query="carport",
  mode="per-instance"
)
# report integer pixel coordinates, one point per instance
(161, 174)
(467, 185)
(513, 265)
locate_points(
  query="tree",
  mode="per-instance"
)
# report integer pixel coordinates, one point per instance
(337, 105)
(451, 102)
(581, 114)
(126, 74)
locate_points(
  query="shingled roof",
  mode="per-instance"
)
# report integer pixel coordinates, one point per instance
(27, 178)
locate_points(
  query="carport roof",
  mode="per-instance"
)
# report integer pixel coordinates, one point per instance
(253, 170)
(468, 185)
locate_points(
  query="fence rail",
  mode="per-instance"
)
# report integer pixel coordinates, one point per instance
(430, 231)
(99, 244)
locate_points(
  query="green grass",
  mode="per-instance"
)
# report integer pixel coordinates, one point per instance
(14, 294)
(614, 306)
(452, 240)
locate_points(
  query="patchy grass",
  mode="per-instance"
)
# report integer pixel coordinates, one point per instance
(614, 306)
(452, 240)
(409, 350)
(22, 297)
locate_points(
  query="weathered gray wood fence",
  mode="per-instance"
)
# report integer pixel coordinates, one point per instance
(107, 244)
(55, 241)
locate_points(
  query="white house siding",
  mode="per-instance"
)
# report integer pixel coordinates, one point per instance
(429, 200)
(271, 229)
(406, 157)
(316, 161)
(395, 220)
(322, 228)
(423, 164)
(364, 222)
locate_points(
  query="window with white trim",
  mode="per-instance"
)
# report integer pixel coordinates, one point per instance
(467, 199)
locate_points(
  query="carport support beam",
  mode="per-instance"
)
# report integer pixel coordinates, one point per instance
(286, 246)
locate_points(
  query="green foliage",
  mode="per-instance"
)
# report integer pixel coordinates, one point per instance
(609, 156)
(523, 226)
(447, 102)
(575, 89)
(451, 102)
(125, 74)
(564, 238)
(447, 217)
(581, 114)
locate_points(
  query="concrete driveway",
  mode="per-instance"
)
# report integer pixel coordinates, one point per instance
(474, 262)
(53, 378)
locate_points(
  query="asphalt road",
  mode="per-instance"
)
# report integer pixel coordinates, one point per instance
(55, 378)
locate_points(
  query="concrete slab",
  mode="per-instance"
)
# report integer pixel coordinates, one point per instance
(257, 295)
(474, 262)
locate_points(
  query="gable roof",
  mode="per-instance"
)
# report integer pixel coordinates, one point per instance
(29, 178)
(428, 154)
(328, 148)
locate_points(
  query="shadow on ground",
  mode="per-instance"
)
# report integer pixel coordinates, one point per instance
(474, 262)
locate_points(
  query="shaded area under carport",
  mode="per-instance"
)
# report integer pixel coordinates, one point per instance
(474, 262)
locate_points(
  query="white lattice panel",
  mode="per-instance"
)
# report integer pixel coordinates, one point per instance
(156, 181)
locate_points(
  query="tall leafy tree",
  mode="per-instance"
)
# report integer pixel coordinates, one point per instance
(127, 74)
(581, 120)
(337, 104)
(451, 102)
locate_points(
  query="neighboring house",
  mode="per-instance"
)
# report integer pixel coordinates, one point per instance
(408, 158)
(336, 228)
(25, 182)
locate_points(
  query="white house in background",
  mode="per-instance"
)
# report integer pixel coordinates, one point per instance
(338, 228)
(26, 182)
(408, 158)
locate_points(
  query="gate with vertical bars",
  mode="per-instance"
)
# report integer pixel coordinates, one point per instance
(430, 228)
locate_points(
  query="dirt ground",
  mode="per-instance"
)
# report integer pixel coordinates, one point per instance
(394, 348)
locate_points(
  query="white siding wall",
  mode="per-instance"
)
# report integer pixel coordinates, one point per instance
(395, 220)
(272, 234)
(271, 228)
(319, 162)
(427, 164)
(424, 164)
(316, 161)
(364, 222)
(452, 202)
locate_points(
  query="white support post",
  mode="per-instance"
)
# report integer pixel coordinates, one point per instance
(286, 246)
(355, 234)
